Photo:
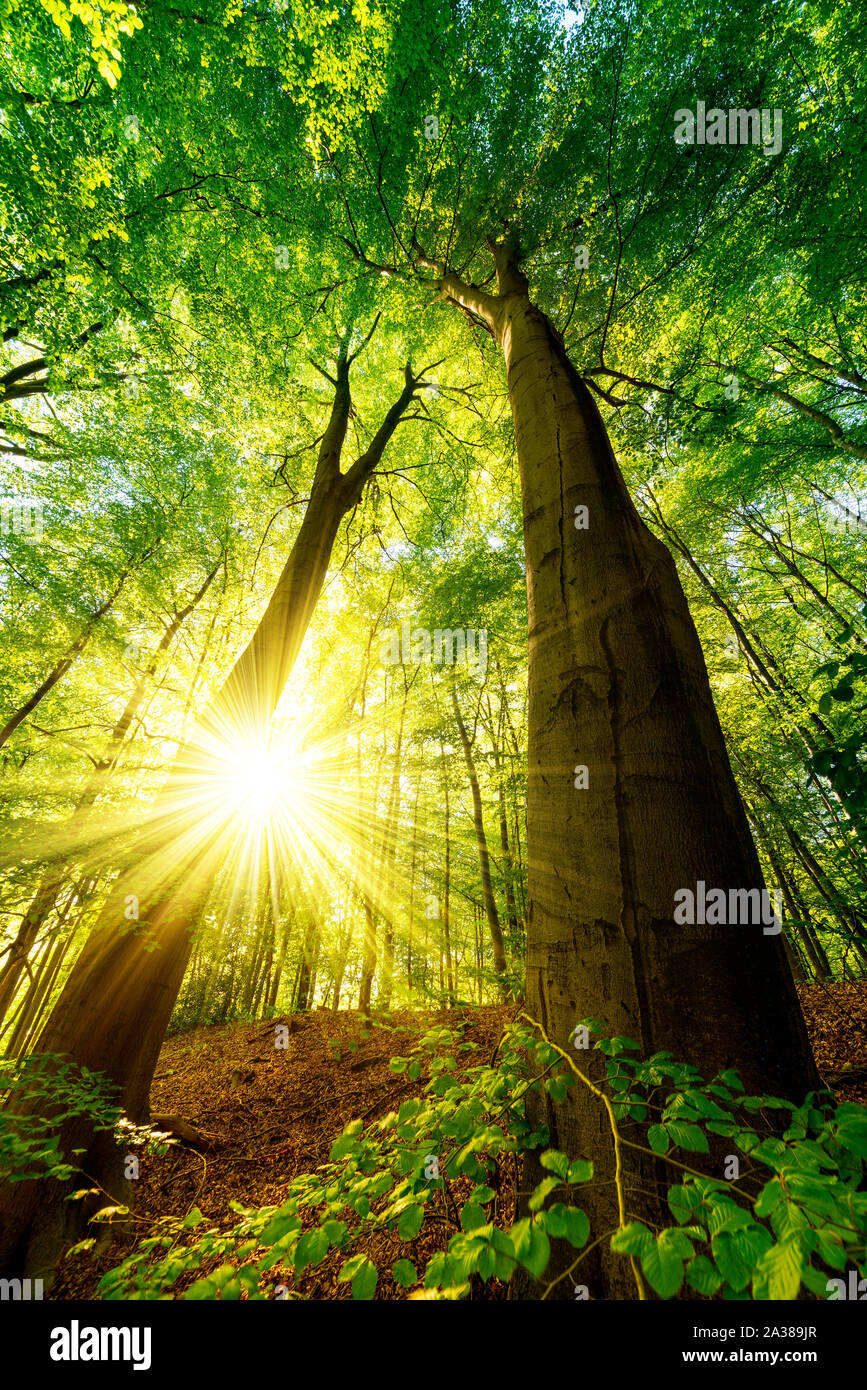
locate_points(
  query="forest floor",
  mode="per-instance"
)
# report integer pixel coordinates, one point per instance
(273, 1114)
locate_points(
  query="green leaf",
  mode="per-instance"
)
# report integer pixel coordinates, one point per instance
(702, 1276)
(557, 1086)
(364, 1281)
(815, 1280)
(688, 1136)
(683, 1201)
(405, 1273)
(482, 1194)
(555, 1162)
(282, 1224)
(350, 1268)
(311, 1248)
(409, 1224)
(472, 1216)
(778, 1271)
(577, 1227)
(541, 1192)
(657, 1138)
(663, 1266)
(769, 1198)
(531, 1245)
(736, 1254)
(632, 1239)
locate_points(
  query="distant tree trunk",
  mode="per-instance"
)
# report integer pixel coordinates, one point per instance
(39, 992)
(309, 952)
(505, 848)
(798, 911)
(772, 682)
(255, 958)
(446, 948)
(490, 901)
(264, 982)
(851, 922)
(411, 905)
(75, 829)
(285, 934)
(345, 947)
(369, 895)
(66, 661)
(619, 691)
(387, 905)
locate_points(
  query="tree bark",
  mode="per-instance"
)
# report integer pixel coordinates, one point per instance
(617, 684)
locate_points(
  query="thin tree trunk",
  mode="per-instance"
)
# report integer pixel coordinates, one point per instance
(387, 905)
(40, 991)
(411, 906)
(446, 947)
(482, 847)
(64, 662)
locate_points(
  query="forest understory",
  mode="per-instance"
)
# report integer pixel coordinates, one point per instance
(270, 1115)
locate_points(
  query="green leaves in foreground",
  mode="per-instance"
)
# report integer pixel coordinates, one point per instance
(795, 1216)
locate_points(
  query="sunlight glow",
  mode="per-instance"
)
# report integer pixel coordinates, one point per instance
(265, 782)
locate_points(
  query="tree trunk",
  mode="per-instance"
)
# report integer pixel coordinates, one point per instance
(387, 903)
(446, 947)
(618, 685)
(411, 904)
(482, 847)
(505, 847)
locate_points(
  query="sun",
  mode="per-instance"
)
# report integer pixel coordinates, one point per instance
(264, 783)
(258, 785)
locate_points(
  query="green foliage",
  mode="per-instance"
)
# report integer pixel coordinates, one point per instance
(844, 762)
(42, 1093)
(794, 1215)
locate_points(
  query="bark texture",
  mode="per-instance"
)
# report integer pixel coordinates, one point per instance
(618, 684)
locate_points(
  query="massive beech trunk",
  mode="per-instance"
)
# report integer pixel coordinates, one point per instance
(114, 1010)
(617, 684)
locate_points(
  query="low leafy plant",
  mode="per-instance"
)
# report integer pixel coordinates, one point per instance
(795, 1214)
(40, 1093)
